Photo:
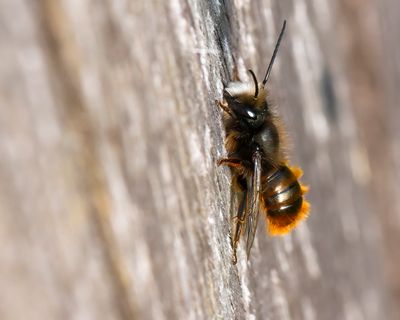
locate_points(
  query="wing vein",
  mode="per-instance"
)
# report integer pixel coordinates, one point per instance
(253, 202)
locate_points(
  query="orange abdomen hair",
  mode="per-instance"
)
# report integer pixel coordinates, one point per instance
(283, 200)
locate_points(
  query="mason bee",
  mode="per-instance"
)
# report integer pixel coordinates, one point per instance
(261, 175)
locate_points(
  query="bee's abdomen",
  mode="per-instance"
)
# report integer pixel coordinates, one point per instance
(282, 193)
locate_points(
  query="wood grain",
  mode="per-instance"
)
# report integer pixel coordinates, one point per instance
(112, 205)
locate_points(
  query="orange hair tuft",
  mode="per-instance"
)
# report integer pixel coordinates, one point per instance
(281, 225)
(304, 189)
(298, 173)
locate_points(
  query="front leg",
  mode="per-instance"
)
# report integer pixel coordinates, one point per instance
(243, 166)
(224, 106)
(234, 163)
(231, 162)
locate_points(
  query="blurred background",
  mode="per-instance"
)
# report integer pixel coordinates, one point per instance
(111, 203)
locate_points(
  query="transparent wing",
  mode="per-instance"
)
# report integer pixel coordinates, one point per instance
(253, 199)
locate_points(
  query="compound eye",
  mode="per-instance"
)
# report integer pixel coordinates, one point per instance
(250, 114)
(243, 111)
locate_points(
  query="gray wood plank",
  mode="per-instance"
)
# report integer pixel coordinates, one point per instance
(112, 205)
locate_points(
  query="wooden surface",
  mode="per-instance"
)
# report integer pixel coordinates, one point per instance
(111, 203)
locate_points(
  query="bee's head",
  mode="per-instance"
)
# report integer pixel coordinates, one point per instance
(247, 101)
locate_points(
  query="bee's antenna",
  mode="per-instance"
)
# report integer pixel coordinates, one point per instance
(274, 54)
(255, 83)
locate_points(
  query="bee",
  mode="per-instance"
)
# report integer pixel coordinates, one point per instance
(261, 175)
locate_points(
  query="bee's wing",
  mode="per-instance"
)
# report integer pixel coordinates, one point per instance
(253, 206)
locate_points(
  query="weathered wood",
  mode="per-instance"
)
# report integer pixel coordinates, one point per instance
(112, 206)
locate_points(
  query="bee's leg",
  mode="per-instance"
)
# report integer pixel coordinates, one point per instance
(234, 162)
(224, 106)
(237, 226)
(238, 220)
(239, 188)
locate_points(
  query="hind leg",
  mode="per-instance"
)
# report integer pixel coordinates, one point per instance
(238, 220)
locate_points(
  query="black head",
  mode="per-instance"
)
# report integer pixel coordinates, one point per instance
(251, 111)
(247, 101)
